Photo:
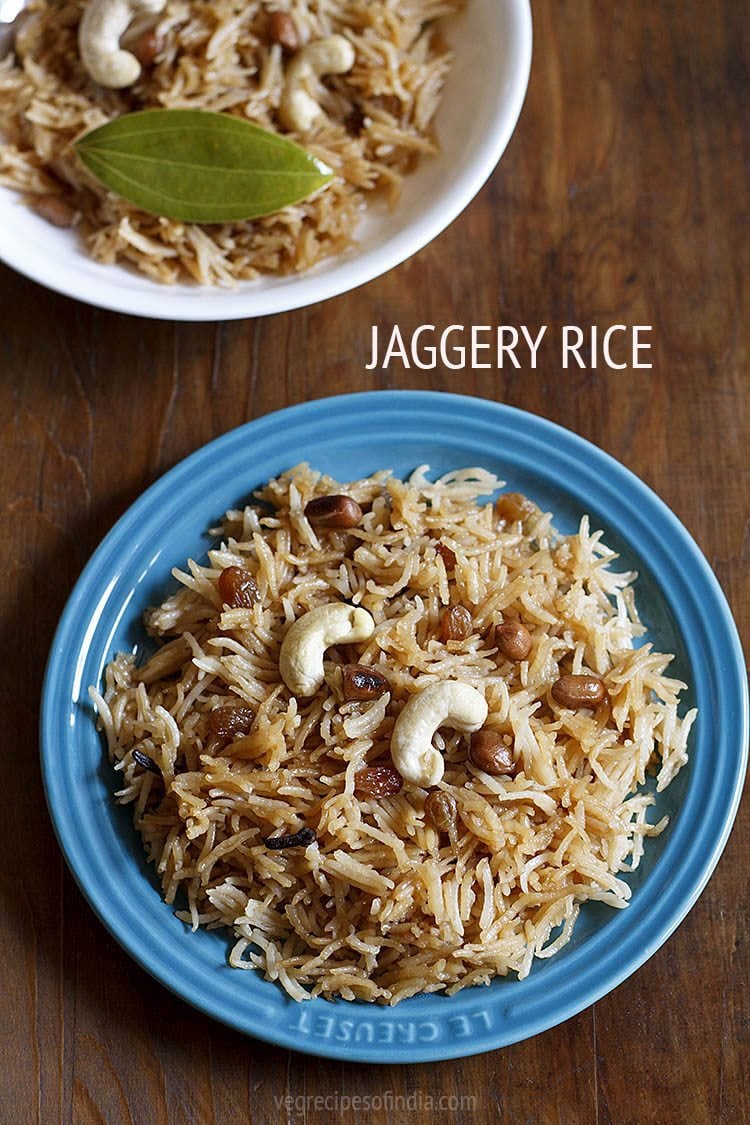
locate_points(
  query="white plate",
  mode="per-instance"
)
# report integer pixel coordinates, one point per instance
(482, 102)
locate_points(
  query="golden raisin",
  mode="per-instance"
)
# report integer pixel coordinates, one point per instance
(283, 30)
(333, 511)
(489, 753)
(456, 624)
(237, 588)
(580, 691)
(378, 781)
(447, 555)
(513, 506)
(361, 682)
(230, 722)
(513, 639)
(440, 810)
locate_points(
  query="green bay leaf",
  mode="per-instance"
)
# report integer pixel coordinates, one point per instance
(198, 166)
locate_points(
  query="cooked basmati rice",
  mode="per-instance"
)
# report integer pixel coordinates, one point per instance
(380, 906)
(217, 56)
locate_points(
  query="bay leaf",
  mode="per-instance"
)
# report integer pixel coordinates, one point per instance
(198, 166)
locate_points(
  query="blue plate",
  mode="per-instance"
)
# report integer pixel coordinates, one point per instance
(351, 436)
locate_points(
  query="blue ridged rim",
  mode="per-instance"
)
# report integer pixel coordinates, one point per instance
(344, 434)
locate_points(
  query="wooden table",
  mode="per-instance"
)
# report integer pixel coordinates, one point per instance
(622, 198)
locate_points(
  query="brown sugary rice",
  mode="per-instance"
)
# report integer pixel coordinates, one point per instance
(380, 906)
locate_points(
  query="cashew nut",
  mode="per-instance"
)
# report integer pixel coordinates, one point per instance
(301, 656)
(103, 24)
(445, 704)
(299, 109)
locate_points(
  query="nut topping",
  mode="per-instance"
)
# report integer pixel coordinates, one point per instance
(513, 639)
(283, 30)
(299, 110)
(581, 691)
(148, 48)
(445, 703)
(489, 753)
(304, 646)
(333, 511)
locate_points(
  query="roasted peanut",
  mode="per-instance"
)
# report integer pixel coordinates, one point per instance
(148, 48)
(513, 506)
(440, 811)
(283, 30)
(361, 682)
(333, 511)
(489, 753)
(54, 209)
(513, 639)
(580, 691)
(230, 722)
(378, 781)
(456, 624)
(237, 588)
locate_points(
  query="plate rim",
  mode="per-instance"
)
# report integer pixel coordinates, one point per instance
(441, 401)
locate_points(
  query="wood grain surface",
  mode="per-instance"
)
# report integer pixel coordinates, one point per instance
(623, 197)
